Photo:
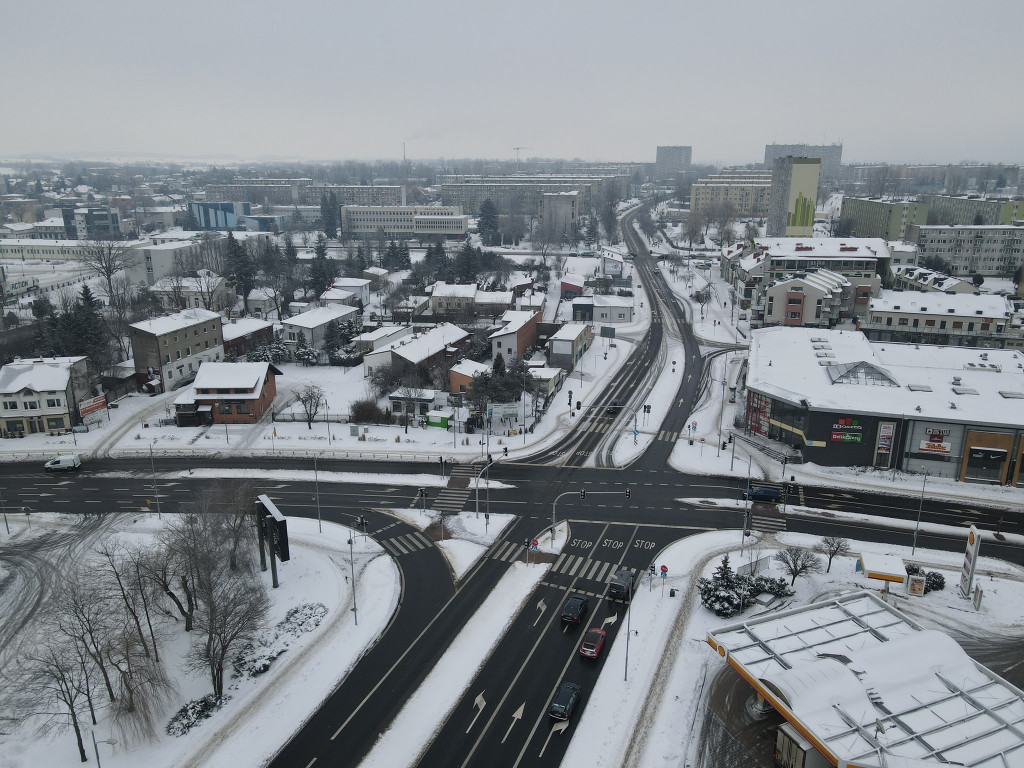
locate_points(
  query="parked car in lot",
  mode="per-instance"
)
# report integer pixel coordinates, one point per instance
(763, 493)
(575, 609)
(68, 462)
(564, 702)
(592, 643)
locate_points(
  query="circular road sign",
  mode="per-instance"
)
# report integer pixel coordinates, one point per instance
(664, 569)
(694, 425)
(533, 542)
(702, 439)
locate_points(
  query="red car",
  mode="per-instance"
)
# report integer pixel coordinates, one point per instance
(593, 642)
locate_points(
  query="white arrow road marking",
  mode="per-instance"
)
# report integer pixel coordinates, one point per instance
(541, 607)
(516, 717)
(480, 704)
(610, 620)
(558, 727)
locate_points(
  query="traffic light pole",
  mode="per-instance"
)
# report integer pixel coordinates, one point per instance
(583, 495)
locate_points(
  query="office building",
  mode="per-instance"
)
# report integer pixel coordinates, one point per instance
(671, 161)
(831, 156)
(219, 216)
(793, 195)
(404, 221)
(525, 192)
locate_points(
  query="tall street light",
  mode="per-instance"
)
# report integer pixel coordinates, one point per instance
(920, 506)
(352, 563)
(316, 481)
(152, 468)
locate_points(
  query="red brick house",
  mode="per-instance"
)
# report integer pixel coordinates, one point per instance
(244, 334)
(227, 393)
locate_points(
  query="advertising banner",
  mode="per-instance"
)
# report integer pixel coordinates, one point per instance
(885, 433)
(970, 562)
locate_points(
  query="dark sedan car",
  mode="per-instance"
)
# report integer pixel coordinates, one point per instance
(592, 643)
(564, 701)
(575, 609)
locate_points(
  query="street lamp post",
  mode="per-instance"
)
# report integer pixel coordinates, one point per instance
(3, 506)
(327, 418)
(920, 506)
(721, 417)
(352, 564)
(96, 748)
(156, 492)
(316, 481)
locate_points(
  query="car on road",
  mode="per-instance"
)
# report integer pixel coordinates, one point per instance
(613, 409)
(575, 609)
(620, 587)
(564, 702)
(68, 462)
(592, 643)
(763, 493)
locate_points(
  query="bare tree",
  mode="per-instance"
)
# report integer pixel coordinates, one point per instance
(56, 688)
(695, 222)
(106, 257)
(84, 618)
(123, 296)
(311, 397)
(831, 547)
(166, 568)
(750, 234)
(408, 392)
(120, 568)
(796, 561)
(210, 286)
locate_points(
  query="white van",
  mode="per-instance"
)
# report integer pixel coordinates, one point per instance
(68, 462)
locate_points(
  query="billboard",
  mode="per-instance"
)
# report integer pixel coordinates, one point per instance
(847, 430)
(92, 405)
(970, 561)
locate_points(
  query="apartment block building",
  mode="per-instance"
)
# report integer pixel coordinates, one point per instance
(819, 299)
(986, 249)
(793, 196)
(671, 161)
(168, 350)
(973, 210)
(914, 278)
(875, 217)
(353, 194)
(272, 191)
(561, 211)
(404, 221)
(831, 156)
(468, 192)
(964, 320)
(747, 191)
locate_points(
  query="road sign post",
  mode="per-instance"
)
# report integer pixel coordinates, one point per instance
(664, 578)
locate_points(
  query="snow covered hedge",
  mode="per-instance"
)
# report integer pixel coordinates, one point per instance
(197, 710)
(256, 657)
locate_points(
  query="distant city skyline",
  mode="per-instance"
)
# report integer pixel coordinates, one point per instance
(258, 82)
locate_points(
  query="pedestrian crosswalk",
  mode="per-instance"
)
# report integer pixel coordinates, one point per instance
(406, 543)
(576, 566)
(767, 523)
(450, 501)
(668, 436)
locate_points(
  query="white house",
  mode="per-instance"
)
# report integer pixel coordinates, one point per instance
(40, 395)
(356, 285)
(314, 323)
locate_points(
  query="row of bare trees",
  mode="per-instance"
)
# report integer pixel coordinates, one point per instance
(100, 650)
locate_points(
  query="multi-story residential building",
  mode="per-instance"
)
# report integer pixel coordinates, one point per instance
(561, 211)
(973, 210)
(914, 278)
(351, 194)
(671, 161)
(272, 191)
(404, 221)
(986, 249)
(244, 334)
(42, 395)
(168, 350)
(205, 289)
(95, 223)
(964, 320)
(903, 253)
(859, 260)
(875, 217)
(568, 344)
(831, 156)
(819, 299)
(746, 191)
(517, 334)
(163, 256)
(526, 192)
(360, 287)
(792, 198)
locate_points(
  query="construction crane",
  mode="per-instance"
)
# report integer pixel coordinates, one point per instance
(517, 154)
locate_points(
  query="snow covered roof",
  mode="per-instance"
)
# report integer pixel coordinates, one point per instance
(416, 349)
(243, 326)
(470, 368)
(350, 282)
(262, 294)
(378, 271)
(442, 288)
(604, 301)
(576, 280)
(815, 248)
(928, 277)
(48, 374)
(512, 321)
(568, 332)
(832, 370)
(823, 279)
(208, 281)
(336, 294)
(158, 326)
(244, 376)
(501, 298)
(869, 686)
(932, 303)
(380, 333)
(320, 316)
(544, 373)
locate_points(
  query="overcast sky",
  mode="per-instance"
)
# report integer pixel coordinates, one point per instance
(896, 80)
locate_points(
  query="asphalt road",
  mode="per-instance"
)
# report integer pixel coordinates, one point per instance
(501, 719)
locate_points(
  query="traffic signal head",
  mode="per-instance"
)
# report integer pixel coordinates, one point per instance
(627, 493)
(579, 405)
(583, 493)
